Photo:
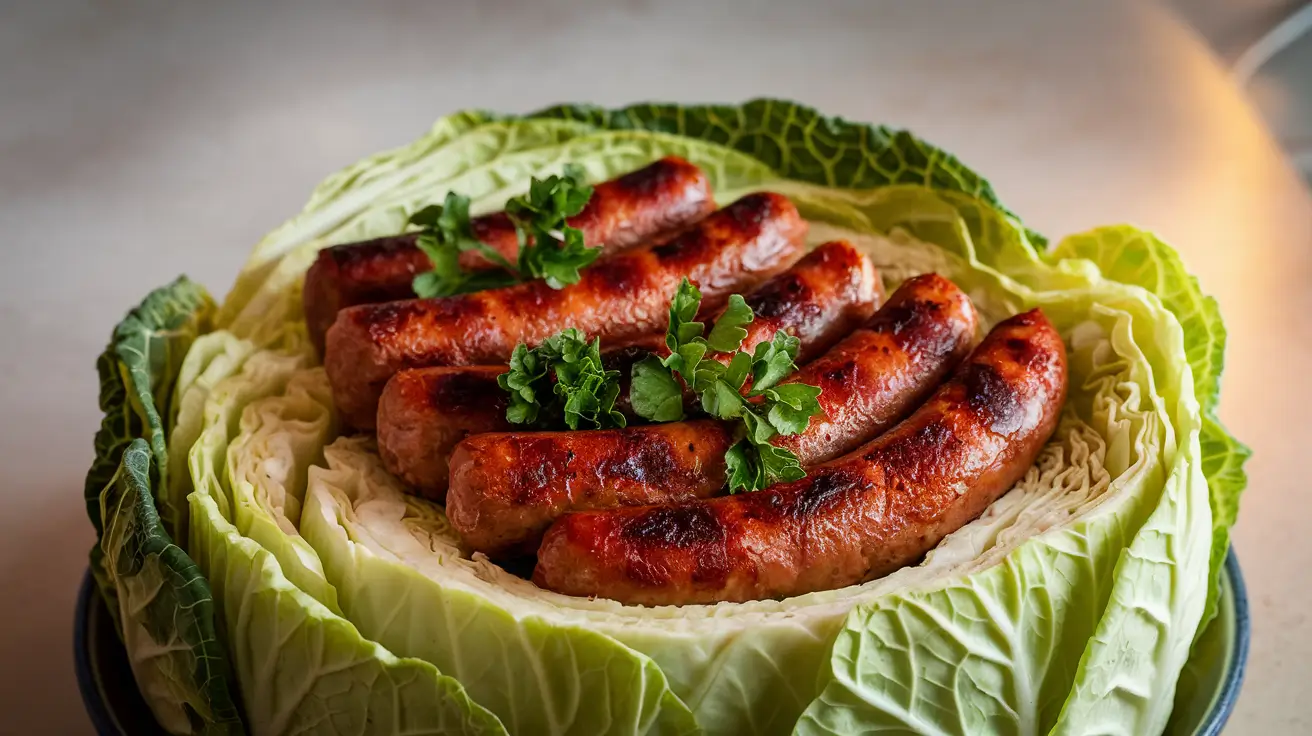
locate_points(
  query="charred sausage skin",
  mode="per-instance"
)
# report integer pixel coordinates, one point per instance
(824, 296)
(879, 374)
(424, 412)
(507, 488)
(850, 520)
(619, 298)
(664, 196)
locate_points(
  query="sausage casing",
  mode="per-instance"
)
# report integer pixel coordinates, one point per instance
(850, 520)
(642, 205)
(424, 412)
(618, 298)
(507, 488)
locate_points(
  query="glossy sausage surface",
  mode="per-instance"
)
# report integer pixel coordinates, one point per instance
(507, 488)
(618, 298)
(853, 519)
(424, 412)
(660, 198)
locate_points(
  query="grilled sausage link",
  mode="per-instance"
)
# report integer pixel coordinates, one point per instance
(617, 299)
(507, 488)
(424, 412)
(853, 519)
(660, 198)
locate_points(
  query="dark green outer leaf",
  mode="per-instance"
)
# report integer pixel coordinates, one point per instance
(138, 371)
(800, 143)
(180, 605)
(137, 374)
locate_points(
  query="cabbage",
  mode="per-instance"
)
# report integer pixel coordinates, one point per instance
(300, 666)
(344, 605)
(158, 597)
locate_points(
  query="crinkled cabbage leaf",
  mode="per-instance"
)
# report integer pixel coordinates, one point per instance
(160, 600)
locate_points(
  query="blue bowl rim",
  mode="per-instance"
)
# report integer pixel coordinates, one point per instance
(105, 723)
(98, 709)
(1234, 676)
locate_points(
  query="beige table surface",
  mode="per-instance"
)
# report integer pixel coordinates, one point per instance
(141, 140)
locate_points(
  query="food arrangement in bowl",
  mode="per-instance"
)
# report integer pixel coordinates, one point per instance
(668, 419)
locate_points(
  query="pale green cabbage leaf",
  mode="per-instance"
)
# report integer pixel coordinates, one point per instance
(300, 666)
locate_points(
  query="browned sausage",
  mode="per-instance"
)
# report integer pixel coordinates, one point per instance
(424, 412)
(618, 298)
(507, 488)
(853, 519)
(662, 197)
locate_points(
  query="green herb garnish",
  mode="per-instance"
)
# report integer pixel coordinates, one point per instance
(562, 380)
(445, 234)
(768, 409)
(548, 248)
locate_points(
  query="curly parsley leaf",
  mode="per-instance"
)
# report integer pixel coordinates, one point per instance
(728, 334)
(558, 264)
(791, 407)
(768, 409)
(753, 467)
(549, 202)
(548, 247)
(655, 393)
(683, 311)
(526, 378)
(445, 233)
(562, 381)
(773, 361)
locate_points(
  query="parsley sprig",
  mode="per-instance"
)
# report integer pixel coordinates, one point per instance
(768, 408)
(562, 380)
(445, 233)
(548, 248)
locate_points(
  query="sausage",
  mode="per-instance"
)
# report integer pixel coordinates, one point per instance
(662, 197)
(853, 519)
(424, 412)
(618, 298)
(507, 488)
(830, 292)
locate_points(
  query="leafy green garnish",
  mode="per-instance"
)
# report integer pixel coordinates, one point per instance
(655, 393)
(766, 410)
(548, 248)
(446, 233)
(582, 394)
(728, 332)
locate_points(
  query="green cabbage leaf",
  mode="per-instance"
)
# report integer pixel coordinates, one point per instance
(161, 602)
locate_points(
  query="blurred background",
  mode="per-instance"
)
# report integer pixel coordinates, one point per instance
(140, 140)
(1267, 47)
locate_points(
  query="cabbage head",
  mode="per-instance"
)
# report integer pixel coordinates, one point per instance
(268, 576)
